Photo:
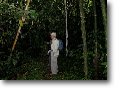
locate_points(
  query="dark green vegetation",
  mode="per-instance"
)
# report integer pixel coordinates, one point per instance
(27, 59)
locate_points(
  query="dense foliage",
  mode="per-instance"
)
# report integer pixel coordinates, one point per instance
(29, 58)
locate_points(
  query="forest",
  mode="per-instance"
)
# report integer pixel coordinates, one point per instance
(26, 24)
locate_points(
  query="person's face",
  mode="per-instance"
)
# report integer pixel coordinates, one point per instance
(52, 37)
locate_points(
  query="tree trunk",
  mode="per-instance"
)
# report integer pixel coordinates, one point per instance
(104, 14)
(84, 37)
(95, 60)
(18, 31)
(66, 28)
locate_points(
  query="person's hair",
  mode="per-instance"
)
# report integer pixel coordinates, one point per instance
(53, 33)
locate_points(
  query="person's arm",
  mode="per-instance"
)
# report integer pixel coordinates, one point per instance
(48, 43)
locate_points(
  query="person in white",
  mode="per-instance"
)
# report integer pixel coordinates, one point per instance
(54, 53)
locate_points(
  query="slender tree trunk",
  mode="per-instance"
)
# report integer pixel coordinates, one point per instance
(66, 28)
(84, 37)
(104, 14)
(18, 31)
(95, 60)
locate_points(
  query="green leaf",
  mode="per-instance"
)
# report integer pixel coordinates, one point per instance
(14, 62)
(0, 40)
(10, 33)
(104, 63)
(20, 12)
(21, 3)
(105, 71)
(0, 11)
(33, 13)
(2, 64)
(20, 22)
(27, 12)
